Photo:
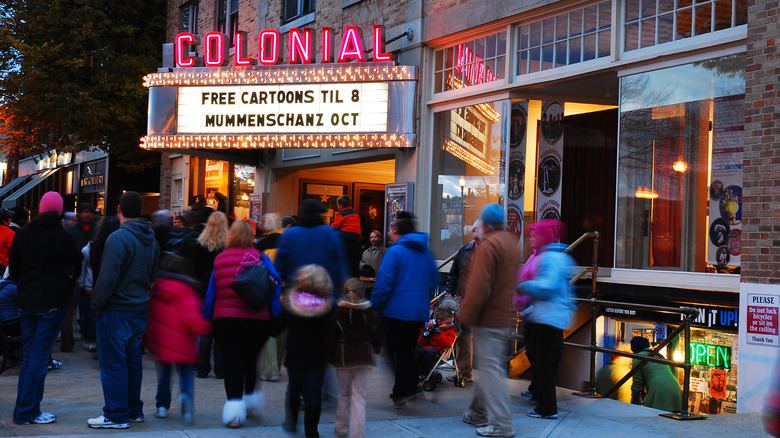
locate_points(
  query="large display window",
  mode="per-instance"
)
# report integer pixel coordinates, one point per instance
(679, 202)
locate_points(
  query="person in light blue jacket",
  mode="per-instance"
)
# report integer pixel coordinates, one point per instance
(404, 287)
(547, 314)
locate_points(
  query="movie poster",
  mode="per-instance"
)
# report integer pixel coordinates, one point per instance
(549, 173)
(398, 197)
(724, 248)
(515, 181)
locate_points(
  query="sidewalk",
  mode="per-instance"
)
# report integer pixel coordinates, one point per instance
(74, 394)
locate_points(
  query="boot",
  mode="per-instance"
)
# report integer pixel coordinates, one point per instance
(254, 403)
(291, 413)
(311, 419)
(234, 413)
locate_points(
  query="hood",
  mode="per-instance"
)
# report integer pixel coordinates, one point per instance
(172, 288)
(307, 305)
(47, 219)
(189, 281)
(555, 247)
(142, 230)
(417, 241)
(547, 231)
(363, 305)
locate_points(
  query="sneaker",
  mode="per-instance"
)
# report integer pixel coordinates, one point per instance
(494, 431)
(471, 418)
(161, 412)
(102, 422)
(201, 375)
(136, 419)
(43, 418)
(527, 394)
(54, 364)
(533, 414)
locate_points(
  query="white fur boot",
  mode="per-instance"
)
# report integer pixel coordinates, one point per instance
(234, 413)
(254, 403)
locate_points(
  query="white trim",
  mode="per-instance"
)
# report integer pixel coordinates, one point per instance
(653, 64)
(470, 100)
(679, 280)
(298, 22)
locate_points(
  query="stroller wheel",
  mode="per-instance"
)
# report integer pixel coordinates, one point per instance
(438, 378)
(429, 385)
(461, 382)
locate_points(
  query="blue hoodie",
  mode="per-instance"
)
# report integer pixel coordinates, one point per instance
(406, 280)
(552, 297)
(128, 268)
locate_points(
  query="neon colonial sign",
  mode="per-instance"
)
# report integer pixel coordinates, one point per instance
(300, 47)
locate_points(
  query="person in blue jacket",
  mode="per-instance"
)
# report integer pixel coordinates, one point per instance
(404, 287)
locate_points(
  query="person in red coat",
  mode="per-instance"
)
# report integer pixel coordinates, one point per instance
(347, 221)
(439, 334)
(175, 322)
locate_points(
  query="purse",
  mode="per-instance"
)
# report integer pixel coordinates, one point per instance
(253, 282)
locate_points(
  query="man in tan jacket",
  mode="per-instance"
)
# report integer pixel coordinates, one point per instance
(488, 310)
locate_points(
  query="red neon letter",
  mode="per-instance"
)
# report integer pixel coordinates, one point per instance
(216, 47)
(240, 57)
(300, 45)
(269, 55)
(379, 45)
(182, 48)
(326, 55)
(351, 45)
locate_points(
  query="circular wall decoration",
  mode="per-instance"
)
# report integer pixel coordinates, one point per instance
(719, 232)
(552, 123)
(551, 213)
(516, 179)
(514, 220)
(549, 178)
(518, 127)
(731, 204)
(735, 242)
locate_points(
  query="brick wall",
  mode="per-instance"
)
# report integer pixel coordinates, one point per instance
(761, 194)
(165, 181)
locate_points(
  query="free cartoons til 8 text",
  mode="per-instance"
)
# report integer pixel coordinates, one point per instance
(299, 47)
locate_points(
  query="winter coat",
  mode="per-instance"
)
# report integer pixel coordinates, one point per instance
(438, 341)
(406, 280)
(127, 269)
(81, 234)
(42, 260)
(545, 234)
(372, 256)
(320, 245)
(353, 335)
(610, 374)
(202, 263)
(491, 283)
(347, 221)
(268, 242)
(663, 390)
(456, 279)
(227, 303)
(174, 320)
(552, 298)
(6, 239)
(306, 317)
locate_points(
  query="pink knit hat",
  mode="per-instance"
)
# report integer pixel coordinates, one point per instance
(50, 201)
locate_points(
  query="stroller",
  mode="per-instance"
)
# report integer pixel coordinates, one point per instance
(446, 362)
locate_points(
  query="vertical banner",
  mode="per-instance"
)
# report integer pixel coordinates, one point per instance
(724, 248)
(398, 197)
(549, 173)
(515, 179)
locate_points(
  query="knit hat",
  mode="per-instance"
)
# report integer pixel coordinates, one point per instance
(50, 201)
(493, 214)
(6, 214)
(639, 343)
(311, 206)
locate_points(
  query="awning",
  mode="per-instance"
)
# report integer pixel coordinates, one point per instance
(8, 189)
(29, 195)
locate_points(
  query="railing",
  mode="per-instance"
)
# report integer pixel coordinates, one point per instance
(688, 313)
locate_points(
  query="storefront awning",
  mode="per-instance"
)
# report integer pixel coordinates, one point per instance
(13, 186)
(29, 195)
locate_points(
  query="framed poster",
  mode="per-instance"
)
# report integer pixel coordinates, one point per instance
(398, 197)
(256, 206)
(326, 193)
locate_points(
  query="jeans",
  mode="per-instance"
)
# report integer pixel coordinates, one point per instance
(401, 342)
(87, 317)
(119, 336)
(351, 411)
(309, 384)
(547, 353)
(186, 386)
(39, 332)
(491, 400)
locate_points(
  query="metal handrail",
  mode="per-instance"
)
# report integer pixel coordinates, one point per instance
(688, 313)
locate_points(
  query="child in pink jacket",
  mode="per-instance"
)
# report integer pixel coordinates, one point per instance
(174, 324)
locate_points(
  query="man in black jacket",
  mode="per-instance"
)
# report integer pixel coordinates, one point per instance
(42, 256)
(456, 285)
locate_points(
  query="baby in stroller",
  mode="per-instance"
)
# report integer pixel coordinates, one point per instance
(434, 346)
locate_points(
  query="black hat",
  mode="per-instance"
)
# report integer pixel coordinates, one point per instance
(638, 343)
(311, 206)
(6, 214)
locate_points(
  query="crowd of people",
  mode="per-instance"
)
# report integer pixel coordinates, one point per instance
(140, 281)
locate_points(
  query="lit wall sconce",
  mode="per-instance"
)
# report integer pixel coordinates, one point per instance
(244, 197)
(645, 193)
(680, 165)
